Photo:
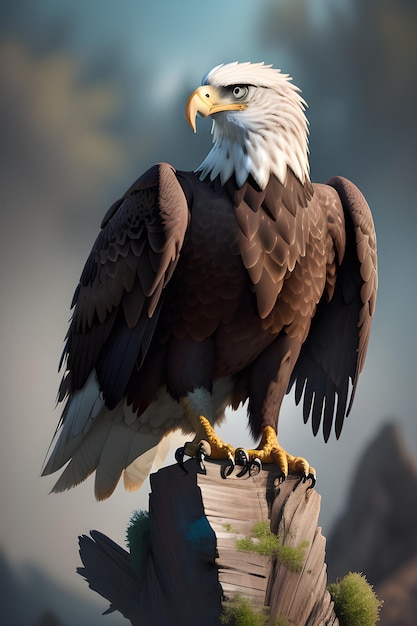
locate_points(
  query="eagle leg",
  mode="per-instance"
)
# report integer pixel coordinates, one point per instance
(206, 442)
(205, 434)
(270, 451)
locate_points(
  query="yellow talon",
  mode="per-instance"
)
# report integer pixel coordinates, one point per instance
(219, 449)
(206, 433)
(269, 451)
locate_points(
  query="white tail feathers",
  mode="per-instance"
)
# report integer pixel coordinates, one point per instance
(78, 416)
(122, 446)
(92, 438)
(138, 471)
(108, 448)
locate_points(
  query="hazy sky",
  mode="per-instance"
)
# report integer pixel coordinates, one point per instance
(92, 94)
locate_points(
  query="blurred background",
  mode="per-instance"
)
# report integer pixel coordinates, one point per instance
(92, 94)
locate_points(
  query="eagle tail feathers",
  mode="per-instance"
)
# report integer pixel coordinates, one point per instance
(110, 448)
(136, 472)
(79, 413)
(121, 451)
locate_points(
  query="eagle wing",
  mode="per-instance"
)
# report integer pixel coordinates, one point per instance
(333, 354)
(116, 308)
(119, 296)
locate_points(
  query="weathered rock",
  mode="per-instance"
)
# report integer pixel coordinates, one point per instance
(193, 561)
(377, 533)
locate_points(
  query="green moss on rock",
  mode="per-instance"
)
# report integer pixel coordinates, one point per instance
(239, 612)
(264, 542)
(355, 601)
(138, 542)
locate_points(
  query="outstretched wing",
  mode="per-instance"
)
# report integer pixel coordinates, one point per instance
(333, 354)
(118, 299)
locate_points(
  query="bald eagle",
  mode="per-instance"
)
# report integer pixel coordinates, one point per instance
(211, 288)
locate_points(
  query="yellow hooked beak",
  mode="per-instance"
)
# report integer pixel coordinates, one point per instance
(207, 100)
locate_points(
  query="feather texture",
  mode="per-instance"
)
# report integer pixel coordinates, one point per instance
(231, 283)
(266, 138)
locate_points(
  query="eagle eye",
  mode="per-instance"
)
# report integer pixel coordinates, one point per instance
(239, 92)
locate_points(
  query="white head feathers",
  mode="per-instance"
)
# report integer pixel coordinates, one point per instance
(266, 138)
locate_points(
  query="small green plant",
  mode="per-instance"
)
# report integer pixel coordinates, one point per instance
(238, 612)
(263, 541)
(355, 601)
(137, 540)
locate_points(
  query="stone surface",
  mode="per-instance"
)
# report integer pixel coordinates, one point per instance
(193, 562)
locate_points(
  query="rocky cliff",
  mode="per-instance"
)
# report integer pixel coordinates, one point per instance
(377, 533)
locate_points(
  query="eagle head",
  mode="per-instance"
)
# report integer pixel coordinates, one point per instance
(259, 126)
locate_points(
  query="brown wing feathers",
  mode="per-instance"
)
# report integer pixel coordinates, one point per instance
(119, 295)
(355, 205)
(280, 238)
(333, 354)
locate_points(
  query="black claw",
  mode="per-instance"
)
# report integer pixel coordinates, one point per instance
(243, 471)
(255, 467)
(227, 469)
(313, 479)
(200, 456)
(242, 459)
(279, 479)
(179, 457)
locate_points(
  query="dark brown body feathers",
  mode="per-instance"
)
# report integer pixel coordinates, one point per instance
(189, 282)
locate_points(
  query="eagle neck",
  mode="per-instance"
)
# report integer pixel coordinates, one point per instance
(249, 151)
(293, 194)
